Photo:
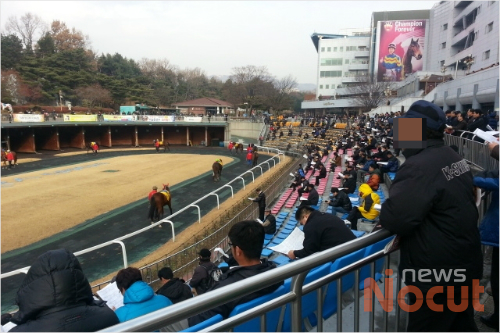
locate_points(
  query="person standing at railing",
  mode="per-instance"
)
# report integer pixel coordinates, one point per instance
(261, 201)
(431, 208)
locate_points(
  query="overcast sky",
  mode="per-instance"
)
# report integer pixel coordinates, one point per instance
(212, 35)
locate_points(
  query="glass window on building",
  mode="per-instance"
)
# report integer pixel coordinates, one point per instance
(331, 62)
(486, 55)
(330, 73)
(351, 48)
(334, 49)
(320, 86)
(445, 26)
(443, 45)
(327, 86)
(489, 27)
(441, 63)
(347, 61)
(329, 49)
(341, 49)
(322, 49)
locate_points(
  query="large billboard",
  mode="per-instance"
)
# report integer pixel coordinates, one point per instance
(400, 48)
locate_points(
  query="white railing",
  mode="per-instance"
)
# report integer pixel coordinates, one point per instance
(168, 219)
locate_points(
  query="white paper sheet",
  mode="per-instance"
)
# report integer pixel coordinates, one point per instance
(302, 198)
(377, 207)
(7, 327)
(294, 241)
(250, 199)
(485, 135)
(341, 174)
(383, 163)
(354, 200)
(112, 296)
(259, 220)
(221, 251)
(291, 174)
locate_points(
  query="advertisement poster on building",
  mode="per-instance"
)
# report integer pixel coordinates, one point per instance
(79, 117)
(400, 50)
(115, 117)
(28, 118)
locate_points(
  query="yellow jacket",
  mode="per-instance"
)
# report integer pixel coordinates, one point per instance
(370, 198)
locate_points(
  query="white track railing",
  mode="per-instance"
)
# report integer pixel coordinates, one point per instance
(119, 240)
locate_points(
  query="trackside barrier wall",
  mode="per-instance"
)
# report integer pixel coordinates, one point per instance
(297, 270)
(119, 240)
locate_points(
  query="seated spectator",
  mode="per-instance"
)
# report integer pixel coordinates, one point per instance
(364, 168)
(349, 182)
(269, 222)
(322, 174)
(55, 296)
(341, 202)
(321, 231)
(366, 208)
(246, 240)
(312, 199)
(138, 297)
(374, 177)
(200, 274)
(336, 162)
(392, 164)
(382, 155)
(303, 186)
(174, 289)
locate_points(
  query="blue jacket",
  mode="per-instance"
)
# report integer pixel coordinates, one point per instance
(489, 225)
(392, 165)
(367, 165)
(139, 300)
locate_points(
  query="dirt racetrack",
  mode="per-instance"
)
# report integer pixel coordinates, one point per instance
(53, 200)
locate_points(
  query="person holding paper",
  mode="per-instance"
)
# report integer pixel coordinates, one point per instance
(341, 202)
(269, 222)
(313, 197)
(55, 296)
(261, 201)
(321, 231)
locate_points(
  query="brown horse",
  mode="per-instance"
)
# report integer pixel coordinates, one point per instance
(165, 144)
(238, 148)
(158, 201)
(5, 162)
(255, 157)
(412, 51)
(216, 171)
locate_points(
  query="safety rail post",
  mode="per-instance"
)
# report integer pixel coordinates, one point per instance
(372, 316)
(356, 300)
(232, 192)
(339, 305)
(199, 212)
(125, 260)
(212, 193)
(296, 306)
(253, 176)
(241, 180)
(171, 224)
(386, 285)
(23, 270)
(319, 304)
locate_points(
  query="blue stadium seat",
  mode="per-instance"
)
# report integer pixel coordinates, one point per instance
(204, 324)
(281, 260)
(266, 252)
(379, 264)
(309, 301)
(358, 233)
(272, 317)
(267, 236)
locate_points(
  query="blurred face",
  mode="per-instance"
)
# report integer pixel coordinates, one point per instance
(391, 50)
(459, 117)
(475, 115)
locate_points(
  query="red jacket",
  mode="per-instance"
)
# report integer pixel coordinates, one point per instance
(249, 155)
(157, 144)
(95, 147)
(10, 156)
(151, 194)
(230, 146)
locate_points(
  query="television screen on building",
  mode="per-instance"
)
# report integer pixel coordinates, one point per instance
(400, 49)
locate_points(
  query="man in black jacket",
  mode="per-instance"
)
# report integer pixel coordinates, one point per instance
(478, 121)
(322, 174)
(261, 200)
(269, 223)
(321, 231)
(174, 289)
(201, 272)
(350, 176)
(313, 197)
(341, 202)
(55, 296)
(246, 239)
(432, 209)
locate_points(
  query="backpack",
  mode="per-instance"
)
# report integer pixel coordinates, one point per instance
(214, 275)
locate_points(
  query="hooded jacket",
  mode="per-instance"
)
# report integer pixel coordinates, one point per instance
(176, 290)
(370, 198)
(55, 296)
(431, 207)
(140, 299)
(236, 274)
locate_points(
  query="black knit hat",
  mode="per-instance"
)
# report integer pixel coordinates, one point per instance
(434, 115)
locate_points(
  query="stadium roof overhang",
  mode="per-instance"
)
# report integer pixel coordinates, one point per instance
(317, 36)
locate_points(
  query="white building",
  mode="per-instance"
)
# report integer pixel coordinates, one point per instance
(341, 58)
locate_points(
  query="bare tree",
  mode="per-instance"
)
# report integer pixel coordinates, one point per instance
(283, 89)
(27, 27)
(368, 93)
(93, 95)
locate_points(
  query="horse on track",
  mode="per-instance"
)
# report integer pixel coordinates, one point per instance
(238, 148)
(158, 201)
(5, 162)
(216, 171)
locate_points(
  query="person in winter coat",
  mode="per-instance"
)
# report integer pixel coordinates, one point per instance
(246, 239)
(269, 222)
(392, 164)
(249, 156)
(322, 174)
(366, 208)
(138, 297)
(489, 236)
(261, 201)
(201, 272)
(478, 121)
(175, 289)
(313, 197)
(55, 296)
(341, 202)
(350, 177)
(431, 208)
(321, 231)
(374, 177)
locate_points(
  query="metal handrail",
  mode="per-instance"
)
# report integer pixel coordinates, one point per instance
(296, 270)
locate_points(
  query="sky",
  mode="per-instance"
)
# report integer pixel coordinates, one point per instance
(215, 36)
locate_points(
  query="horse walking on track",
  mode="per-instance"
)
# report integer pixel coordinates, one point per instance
(5, 160)
(238, 148)
(158, 201)
(217, 170)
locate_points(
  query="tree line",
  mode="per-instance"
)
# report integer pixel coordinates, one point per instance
(43, 64)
